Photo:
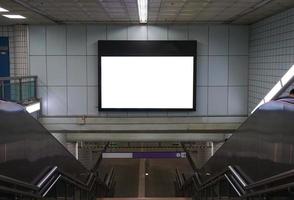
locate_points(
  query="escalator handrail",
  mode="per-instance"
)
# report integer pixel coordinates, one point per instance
(18, 182)
(217, 177)
(237, 176)
(248, 189)
(271, 179)
(43, 187)
(46, 177)
(13, 190)
(92, 178)
(233, 185)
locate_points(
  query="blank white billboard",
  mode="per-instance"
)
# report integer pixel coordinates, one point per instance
(147, 82)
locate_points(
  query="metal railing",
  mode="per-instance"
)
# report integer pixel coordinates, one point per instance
(241, 187)
(44, 182)
(18, 89)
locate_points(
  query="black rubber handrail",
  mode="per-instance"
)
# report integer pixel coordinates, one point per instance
(17, 182)
(230, 174)
(240, 185)
(271, 179)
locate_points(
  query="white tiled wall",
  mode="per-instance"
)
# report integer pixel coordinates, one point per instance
(271, 54)
(65, 59)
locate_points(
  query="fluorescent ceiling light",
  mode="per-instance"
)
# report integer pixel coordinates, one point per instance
(33, 107)
(143, 10)
(3, 10)
(14, 16)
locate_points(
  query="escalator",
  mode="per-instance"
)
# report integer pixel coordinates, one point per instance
(33, 164)
(257, 162)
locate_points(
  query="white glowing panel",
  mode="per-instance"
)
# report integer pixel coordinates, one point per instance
(138, 82)
(33, 107)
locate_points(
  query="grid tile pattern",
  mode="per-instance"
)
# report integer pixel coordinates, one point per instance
(271, 54)
(159, 11)
(69, 77)
(21, 50)
(18, 48)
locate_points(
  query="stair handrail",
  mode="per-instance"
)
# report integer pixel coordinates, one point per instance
(49, 179)
(241, 185)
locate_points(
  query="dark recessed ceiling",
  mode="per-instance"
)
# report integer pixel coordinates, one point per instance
(125, 11)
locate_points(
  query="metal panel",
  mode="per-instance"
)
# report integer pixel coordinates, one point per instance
(27, 148)
(262, 146)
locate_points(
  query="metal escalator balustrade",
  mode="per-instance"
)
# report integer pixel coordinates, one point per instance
(33, 163)
(256, 162)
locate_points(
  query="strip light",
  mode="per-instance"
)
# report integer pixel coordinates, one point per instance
(33, 107)
(277, 88)
(14, 16)
(143, 10)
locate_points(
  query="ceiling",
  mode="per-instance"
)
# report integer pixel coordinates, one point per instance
(159, 11)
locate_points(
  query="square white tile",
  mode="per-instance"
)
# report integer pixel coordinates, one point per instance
(42, 94)
(76, 40)
(56, 70)
(117, 32)
(156, 32)
(238, 70)
(199, 33)
(77, 100)
(238, 44)
(218, 70)
(57, 101)
(92, 70)
(238, 101)
(92, 100)
(76, 70)
(56, 40)
(94, 34)
(202, 70)
(217, 101)
(38, 68)
(37, 40)
(218, 40)
(137, 32)
(177, 32)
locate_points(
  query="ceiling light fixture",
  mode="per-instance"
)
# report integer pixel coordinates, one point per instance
(14, 16)
(143, 10)
(3, 10)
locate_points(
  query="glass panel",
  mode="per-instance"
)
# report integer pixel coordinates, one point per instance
(10, 90)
